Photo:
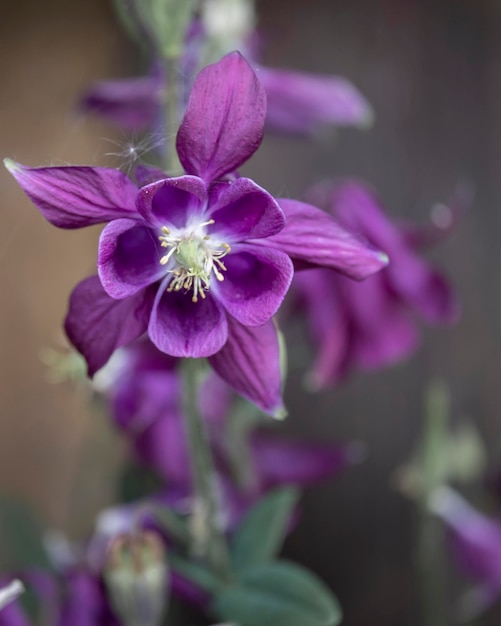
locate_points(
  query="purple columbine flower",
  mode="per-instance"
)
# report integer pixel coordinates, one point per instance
(200, 262)
(371, 324)
(477, 543)
(298, 102)
(144, 398)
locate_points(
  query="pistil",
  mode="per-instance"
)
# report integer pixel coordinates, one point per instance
(195, 260)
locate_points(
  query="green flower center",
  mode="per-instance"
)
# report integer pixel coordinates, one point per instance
(194, 258)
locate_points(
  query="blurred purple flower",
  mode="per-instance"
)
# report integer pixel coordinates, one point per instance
(168, 239)
(298, 102)
(144, 398)
(369, 325)
(75, 598)
(477, 543)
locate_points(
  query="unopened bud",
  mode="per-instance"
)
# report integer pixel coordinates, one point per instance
(136, 578)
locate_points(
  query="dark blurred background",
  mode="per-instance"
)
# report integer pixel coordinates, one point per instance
(432, 71)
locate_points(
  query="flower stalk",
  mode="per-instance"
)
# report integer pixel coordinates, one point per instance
(172, 117)
(209, 540)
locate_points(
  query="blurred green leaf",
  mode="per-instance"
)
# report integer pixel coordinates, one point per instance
(21, 536)
(278, 594)
(262, 532)
(198, 574)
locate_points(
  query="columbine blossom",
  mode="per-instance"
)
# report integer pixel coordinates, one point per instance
(371, 324)
(298, 102)
(200, 262)
(144, 398)
(477, 543)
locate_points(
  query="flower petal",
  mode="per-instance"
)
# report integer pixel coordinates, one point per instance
(180, 327)
(162, 447)
(172, 201)
(97, 325)
(132, 103)
(328, 325)
(73, 197)
(382, 330)
(284, 462)
(313, 238)
(129, 258)
(304, 103)
(250, 363)
(223, 123)
(146, 174)
(243, 210)
(254, 284)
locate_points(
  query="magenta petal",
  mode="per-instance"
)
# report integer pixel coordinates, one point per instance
(313, 238)
(243, 210)
(250, 363)
(254, 284)
(383, 332)
(223, 123)
(172, 201)
(303, 103)
(282, 462)
(328, 325)
(421, 287)
(73, 197)
(162, 447)
(132, 103)
(97, 325)
(129, 258)
(180, 327)
(146, 174)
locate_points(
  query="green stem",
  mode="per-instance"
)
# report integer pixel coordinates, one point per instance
(209, 539)
(430, 540)
(172, 164)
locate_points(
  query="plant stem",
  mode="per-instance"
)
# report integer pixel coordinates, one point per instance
(172, 164)
(209, 539)
(430, 540)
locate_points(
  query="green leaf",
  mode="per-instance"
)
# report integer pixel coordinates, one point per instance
(198, 574)
(21, 533)
(278, 594)
(262, 531)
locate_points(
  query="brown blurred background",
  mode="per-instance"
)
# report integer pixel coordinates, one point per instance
(432, 71)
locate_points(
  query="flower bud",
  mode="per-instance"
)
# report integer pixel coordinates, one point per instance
(136, 578)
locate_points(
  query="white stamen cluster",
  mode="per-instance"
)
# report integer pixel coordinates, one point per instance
(195, 259)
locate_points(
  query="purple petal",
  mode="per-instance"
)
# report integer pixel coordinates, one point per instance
(303, 103)
(215, 397)
(180, 327)
(411, 278)
(313, 238)
(141, 398)
(282, 462)
(162, 447)
(328, 325)
(14, 615)
(97, 325)
(146, 174)
(243, 210)
(423, 289)
(84, 602)
(223, 123)
(382, 331)
(172, 201)
(132, 103)
(129, 258)
(73, 197)
(477, 537)
(254, 284)
(250, 363)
